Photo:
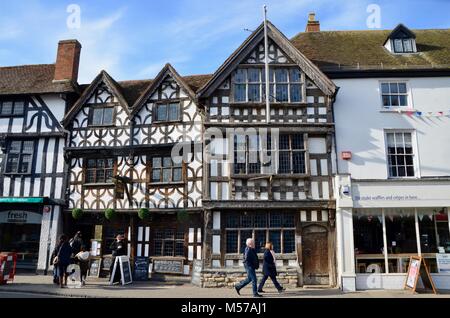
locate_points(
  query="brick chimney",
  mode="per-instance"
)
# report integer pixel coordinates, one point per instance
(313, 25)
(67, 61)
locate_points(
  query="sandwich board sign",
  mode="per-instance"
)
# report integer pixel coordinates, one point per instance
(418, 269)
(122, 264)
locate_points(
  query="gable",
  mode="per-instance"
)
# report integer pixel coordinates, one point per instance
(276, 55)
(250, 50)
(102, 90)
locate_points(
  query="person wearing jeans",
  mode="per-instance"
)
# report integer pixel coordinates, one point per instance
(251, 264)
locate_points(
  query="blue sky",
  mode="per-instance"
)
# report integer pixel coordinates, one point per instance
(134, 39)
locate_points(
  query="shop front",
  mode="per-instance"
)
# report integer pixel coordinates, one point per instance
(170, 240)
(388, 222)
(28, 227)
(303, 242)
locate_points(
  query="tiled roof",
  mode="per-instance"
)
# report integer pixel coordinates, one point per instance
(31, 79)
(341, 50)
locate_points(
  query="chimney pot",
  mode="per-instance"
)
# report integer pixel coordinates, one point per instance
(67, 61)
(313, 25)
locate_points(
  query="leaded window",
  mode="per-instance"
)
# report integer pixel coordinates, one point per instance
(400, 154)
(99, 170)
(167, 112)
(12, 108)
(285, 85)
(168, 242)
(164, 170)
(263, 227)
(19, 157)
(291, 154)
(101, 116)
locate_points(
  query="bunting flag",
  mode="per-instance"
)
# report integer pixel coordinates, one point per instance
(411, 113)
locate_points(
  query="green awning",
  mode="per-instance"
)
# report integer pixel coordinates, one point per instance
(22, 200)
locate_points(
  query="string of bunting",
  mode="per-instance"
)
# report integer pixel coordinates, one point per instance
(415, 113)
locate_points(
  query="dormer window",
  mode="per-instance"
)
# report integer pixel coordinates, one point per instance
(401, 41)
(403, 46)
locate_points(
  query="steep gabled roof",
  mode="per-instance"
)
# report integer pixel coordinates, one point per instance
(310, 69)
(401, 31)
(103, 77)
(32, 79)
(167, 70)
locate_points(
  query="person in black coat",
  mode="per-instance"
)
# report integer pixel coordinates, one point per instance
(119, 248)
(251, 263)
(269, 269)
(63, 253)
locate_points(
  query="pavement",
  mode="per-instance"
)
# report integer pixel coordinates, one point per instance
(29, 285)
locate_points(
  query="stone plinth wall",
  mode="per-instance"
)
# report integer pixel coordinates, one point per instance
(213, 278)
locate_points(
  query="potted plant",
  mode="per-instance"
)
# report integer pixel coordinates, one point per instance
(110, 214)
(77, 213)
(144, 213)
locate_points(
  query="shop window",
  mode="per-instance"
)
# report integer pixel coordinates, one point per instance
(19, 157)
(278, 228)
(401, 232)
(368, 234)
(99, 170)
(168, 242)
(164, 170)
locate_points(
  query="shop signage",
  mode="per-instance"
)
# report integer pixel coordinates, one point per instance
(168, 266)
(141, 265)
(20, 217)
(21, 200)
(197, 267)
(122, 264)
(443, 263)
(391, 194)
(94, 267)
(418, 269)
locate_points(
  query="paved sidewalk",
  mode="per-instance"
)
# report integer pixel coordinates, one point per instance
(99, 288)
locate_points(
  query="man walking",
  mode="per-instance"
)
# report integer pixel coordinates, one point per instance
(251, 264)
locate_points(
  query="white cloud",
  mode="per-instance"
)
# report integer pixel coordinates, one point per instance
(103, 46)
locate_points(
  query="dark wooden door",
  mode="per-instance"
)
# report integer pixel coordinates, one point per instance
(315, 256)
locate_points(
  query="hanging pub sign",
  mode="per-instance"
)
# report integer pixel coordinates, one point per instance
(418, 269)
(120, 189)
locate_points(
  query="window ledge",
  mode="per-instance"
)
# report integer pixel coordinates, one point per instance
(166, 184)
(98, 185)
(102, 126)
(403, 109)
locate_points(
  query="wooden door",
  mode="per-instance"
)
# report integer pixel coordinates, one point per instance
(315, 256)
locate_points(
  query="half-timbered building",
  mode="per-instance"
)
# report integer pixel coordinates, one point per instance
(287, 200)
(123, 133)
(33, 100)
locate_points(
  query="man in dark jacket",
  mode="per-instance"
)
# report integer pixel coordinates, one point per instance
(119, 248)
(251, 264)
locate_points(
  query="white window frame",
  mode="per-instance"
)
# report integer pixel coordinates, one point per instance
(409, 98)
(416, 160)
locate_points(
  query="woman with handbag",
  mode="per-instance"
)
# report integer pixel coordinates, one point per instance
(269, 269)
(62, 259)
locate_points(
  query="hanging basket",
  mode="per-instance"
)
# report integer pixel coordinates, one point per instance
(110, 214)
(144, 213)
(77, 213)
(182, 216)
